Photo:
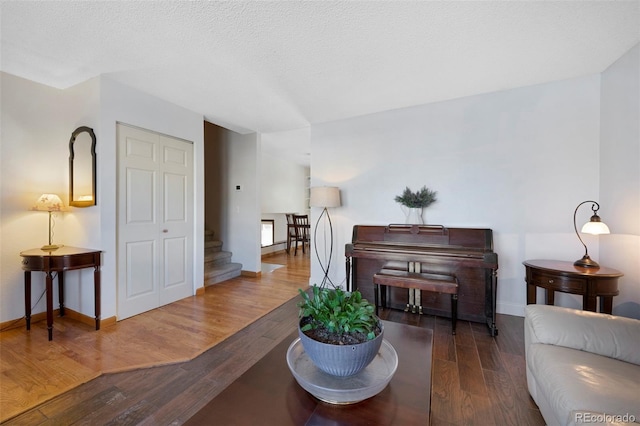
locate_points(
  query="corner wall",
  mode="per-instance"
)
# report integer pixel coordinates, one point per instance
(122, 104)
(241, 221)
(620, 178)
(37, 122)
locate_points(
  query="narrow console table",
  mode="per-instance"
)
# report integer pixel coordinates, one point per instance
(591, 283)
(59, 260)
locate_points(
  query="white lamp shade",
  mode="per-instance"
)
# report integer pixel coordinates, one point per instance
(595, 228)
(325, 196)
(48, 203)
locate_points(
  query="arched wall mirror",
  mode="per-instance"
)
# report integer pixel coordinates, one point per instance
(82, 167)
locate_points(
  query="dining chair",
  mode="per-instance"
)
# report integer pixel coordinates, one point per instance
(302, 230)
(291, 230)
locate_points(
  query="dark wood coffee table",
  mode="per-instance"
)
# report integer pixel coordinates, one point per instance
(268, 394)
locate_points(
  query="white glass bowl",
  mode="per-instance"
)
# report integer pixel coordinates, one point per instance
(342, 390)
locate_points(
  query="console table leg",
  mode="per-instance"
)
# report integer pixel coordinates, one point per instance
(61, 292)
(606, 304)
(27, 298)
(49, 291)
(589, 303)
(550, 297)
(96, 285)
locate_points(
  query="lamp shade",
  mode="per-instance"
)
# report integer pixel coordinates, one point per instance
(48, 203)
(325, 196)
(595, 228)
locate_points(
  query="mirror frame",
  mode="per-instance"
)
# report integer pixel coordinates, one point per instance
(74, 135)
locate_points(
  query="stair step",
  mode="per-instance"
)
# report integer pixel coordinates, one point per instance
(222, 273)
(213, 245)
(216, 258)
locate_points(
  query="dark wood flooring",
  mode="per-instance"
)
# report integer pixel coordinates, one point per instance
(477, 379)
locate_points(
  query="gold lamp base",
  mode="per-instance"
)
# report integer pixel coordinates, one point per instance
(586, 262)
(51, 247)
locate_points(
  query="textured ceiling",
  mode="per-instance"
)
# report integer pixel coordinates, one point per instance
(272, 66)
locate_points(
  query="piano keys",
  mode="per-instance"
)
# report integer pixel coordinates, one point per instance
(466, 253)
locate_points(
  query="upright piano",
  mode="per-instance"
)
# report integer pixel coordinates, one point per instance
(466, 253)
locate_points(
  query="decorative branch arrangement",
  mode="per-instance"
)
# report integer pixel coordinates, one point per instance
(419, 199)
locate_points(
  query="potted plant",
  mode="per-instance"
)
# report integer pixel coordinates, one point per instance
(339, 330)
(415, 203)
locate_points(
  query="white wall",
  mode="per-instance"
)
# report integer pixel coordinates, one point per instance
(279, 228)
(620, 177)
(283, 180)
(241, 227)
(120, 103)
(37, 122)
(516, 161)
(283, 185)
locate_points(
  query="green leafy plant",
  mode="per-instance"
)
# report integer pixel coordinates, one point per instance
(338, 312)
(422, 198)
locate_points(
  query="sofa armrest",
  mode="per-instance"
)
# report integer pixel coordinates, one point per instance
(602, 334)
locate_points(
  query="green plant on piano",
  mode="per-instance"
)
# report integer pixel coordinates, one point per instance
(418, 199)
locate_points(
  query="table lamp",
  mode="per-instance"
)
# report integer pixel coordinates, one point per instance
(595, 227)
(49, 203)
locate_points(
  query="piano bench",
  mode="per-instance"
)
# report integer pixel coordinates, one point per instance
(435, 283)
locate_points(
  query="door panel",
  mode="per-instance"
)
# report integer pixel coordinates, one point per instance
(141, 269)
(140, 199)
(141, 148)
(175, 156)
(175, 253)
(175, 197)
(155, 220)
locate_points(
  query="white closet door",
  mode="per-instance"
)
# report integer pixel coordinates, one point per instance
(155, 220)
(177, 220)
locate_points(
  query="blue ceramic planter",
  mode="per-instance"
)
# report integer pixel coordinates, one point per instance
(341, 360)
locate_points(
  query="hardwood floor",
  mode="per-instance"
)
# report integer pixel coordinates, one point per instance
(477, 380)
(34, 370)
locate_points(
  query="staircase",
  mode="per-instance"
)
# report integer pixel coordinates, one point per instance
(217, 263)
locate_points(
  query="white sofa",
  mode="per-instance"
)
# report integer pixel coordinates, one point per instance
(582, 367)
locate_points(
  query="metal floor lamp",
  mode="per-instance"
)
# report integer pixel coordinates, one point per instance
(325, 197)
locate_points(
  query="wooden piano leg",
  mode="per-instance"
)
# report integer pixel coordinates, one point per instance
(454, 312)
(417, 266)
(410, 305)
(348, 273)
(491, 318)
(376, 287)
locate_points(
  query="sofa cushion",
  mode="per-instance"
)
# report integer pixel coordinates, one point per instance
(607, 335)
(575, 382)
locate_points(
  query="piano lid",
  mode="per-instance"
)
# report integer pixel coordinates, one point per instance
(425, 236)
